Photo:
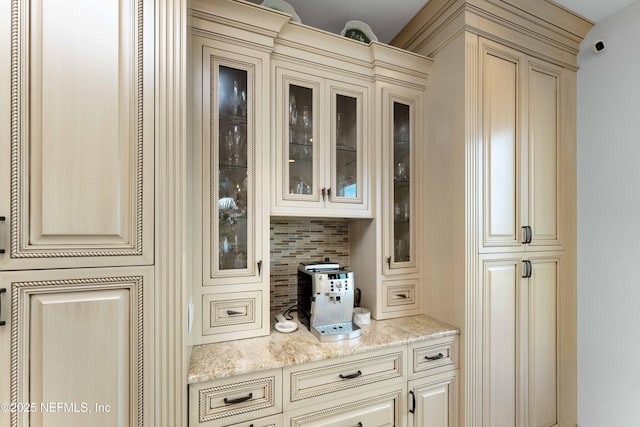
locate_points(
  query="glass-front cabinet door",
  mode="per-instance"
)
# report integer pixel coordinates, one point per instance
(400, 174)
(321, 146)
(302, 149)
(229, 171)
(347, 127)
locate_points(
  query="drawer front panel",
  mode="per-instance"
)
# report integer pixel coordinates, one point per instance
(232, 312)
(231, 401)
(358, 372)
(381, 411)
(438, 355)
(274, 421)
(400, 296)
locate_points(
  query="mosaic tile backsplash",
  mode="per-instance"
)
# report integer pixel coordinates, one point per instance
(298, 240)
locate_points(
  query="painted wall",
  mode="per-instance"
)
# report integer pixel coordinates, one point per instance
(609, 223)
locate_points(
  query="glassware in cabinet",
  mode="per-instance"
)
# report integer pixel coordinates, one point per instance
(347, 125)
(402, 185)
(401, 189)
(301, 140)
(231, 198)
(321, 146)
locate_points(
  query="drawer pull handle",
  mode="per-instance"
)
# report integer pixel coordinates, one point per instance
(3, 219)
(437, 357)
(359, 424)
(413, 402)
(2, 291)
(238, 400)
(234, 313)
(351, 376)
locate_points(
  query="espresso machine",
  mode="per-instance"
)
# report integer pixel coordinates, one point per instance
(325, 301)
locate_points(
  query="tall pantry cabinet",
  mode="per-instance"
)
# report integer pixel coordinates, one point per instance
(77, 213)
(500, 190)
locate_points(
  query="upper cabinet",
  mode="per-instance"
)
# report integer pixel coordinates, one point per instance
(229, 166)
(77, 178)
(521, 151)
(321, 146)
(400, 109)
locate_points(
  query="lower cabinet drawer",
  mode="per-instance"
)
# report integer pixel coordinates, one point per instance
(400, 297)
(231, 312)
(344, 376)
(383, 409)
(433, 356)
(274, 421)
(233, 400)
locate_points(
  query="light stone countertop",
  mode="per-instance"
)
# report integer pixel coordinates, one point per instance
(277, 350)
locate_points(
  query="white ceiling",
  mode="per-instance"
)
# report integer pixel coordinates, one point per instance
(595, 10)
(388, 17)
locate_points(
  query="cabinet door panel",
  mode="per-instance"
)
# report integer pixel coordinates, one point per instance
(348, 158)
(543, 341)
(81, 141)
(435, 400)
(400, 181)
(80, 346)
(501, 96)
(231, 196)
(298, 167)
(543, 156)
(501, 283)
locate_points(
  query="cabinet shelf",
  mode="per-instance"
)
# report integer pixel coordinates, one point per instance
(233, 167)
(346, 149)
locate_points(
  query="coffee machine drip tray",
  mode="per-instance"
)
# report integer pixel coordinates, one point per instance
(336, 331)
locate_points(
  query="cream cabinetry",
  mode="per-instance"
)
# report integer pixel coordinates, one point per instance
(236, 400)
(273, 421)
(500, 187)
(386, 250)
(78, 169)
(322, 144)
(77, 207)
(380, 409)
(520, 300)
(433, 383)
(80, 337)
(344, 391)
(229, 163)
(521, 132)
(433, 401)
(368, 388)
